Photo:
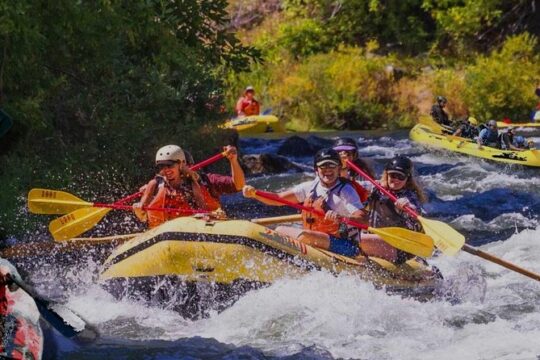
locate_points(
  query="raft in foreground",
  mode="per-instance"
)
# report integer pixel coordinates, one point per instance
(194, 265)
(257, 124)
(426, 135)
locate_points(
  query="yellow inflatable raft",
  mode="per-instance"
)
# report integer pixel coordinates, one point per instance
(257, 124)
(426, 135)
(227, 258)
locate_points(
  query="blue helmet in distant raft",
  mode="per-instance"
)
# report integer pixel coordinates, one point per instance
(520, 140)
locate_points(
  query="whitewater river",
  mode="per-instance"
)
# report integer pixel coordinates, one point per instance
(495, 313)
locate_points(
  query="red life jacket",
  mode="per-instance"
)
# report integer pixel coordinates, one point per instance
(168, 197)
(316, 222)
(210, 201)
(250, 108)
(363, 193)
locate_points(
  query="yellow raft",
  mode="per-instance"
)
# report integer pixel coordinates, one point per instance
(257, 124)
(228, 258)
(428, 136)
(502, 124)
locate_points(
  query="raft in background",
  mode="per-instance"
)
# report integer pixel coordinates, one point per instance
(431, 137)
(256, 124)
(502, 124)
(195, 266)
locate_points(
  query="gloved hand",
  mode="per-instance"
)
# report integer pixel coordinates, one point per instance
(249, 191)
(402, 203)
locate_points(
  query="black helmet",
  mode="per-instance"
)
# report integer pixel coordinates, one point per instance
(441, 99)
(346, 144)
(326, 156)
(400, 163)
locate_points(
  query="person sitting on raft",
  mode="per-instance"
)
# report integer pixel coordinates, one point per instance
(174, 186)
(331, 194)
(489, 136)
(507, 140)
(214, 185)
(398, 179)
(440, 116)
(467, 129)
(247, 105)
(347, 149)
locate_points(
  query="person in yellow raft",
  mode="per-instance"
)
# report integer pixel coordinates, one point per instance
(247, 105)
(175, 186)
(331, 194)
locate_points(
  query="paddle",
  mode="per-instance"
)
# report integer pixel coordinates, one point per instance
(277, 219)
(447, 239)
(59, 316)
(44, 201)
(82, 220)
(403, 239)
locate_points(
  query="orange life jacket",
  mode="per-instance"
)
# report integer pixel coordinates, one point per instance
(250, 108)
(210, 201)
(167, 197)
(316, 222)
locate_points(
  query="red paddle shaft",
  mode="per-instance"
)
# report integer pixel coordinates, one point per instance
(305, 208)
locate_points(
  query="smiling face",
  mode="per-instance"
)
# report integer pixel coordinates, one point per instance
(328, 173)
(170, 170)
(396, 180)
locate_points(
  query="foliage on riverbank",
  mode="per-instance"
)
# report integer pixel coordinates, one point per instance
(356, 65)
(95, 88)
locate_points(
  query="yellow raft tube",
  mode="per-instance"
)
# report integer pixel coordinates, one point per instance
(257, 124)
(228, 258)
(426, 135)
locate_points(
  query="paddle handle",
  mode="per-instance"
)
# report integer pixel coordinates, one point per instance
(129, 207)
(208, 161)
(500, 262)
(275, 198)
(380, 187)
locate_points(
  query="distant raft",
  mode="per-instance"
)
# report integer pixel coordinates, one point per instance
(257, 124)
(193, 265)
(428, 136)
(502, 124)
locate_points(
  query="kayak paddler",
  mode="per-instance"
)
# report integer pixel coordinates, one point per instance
(247, 105)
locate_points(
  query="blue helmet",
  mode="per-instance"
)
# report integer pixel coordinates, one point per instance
(520, 140)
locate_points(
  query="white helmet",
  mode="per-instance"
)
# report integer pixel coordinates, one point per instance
(170, 153)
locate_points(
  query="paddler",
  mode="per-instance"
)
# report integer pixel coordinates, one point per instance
(439, 115)
(347, 149)
(20, 334)
(330, 193)
(174, 186)
(399, 180)
(489, 136)
(247, 105)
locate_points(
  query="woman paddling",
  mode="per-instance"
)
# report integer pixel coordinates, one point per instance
(330, 193)
(398, 179)
(174, 186)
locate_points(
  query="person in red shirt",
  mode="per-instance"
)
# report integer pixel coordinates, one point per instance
(247, 105)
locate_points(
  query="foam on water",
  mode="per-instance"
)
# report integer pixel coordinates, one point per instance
(496, 316)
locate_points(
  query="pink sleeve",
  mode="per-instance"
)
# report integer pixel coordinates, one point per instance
(221, 184)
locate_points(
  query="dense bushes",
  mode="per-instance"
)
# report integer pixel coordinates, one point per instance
(96, 87)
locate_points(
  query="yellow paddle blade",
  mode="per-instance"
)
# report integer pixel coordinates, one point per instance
(43, 201)
(407, 240)
(446, 239)
(76, 223)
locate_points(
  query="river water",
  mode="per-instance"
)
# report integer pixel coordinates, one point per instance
(495, 315)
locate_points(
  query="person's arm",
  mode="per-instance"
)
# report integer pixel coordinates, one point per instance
(458, 131)
(289, 195)
(479, 139)
(237, 173)
(240, 107)
(145, 200)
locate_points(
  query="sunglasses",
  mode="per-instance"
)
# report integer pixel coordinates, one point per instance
(397, 176)
(166, 166)
(328, 166)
